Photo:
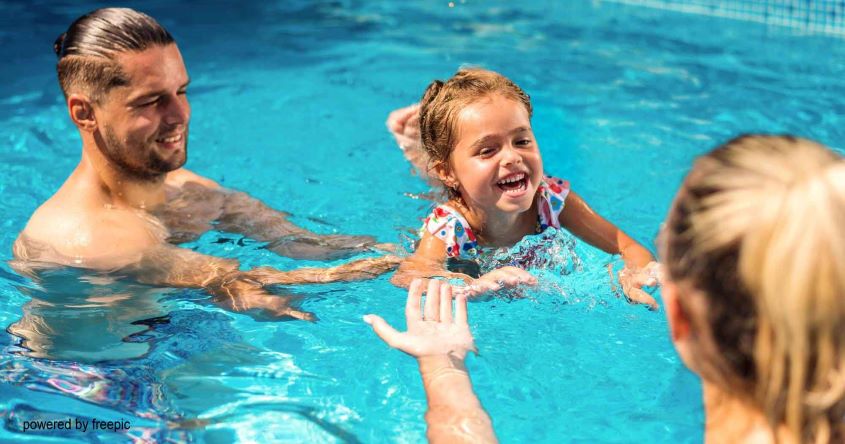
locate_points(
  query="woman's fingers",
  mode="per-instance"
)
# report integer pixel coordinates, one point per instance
(446, 303)
(461, 310)
(412, 305)
(387, 333)
(431, 312)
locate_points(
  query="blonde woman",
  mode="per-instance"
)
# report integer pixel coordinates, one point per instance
(754, 290)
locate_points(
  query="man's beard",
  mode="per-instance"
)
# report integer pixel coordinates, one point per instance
(139, 160)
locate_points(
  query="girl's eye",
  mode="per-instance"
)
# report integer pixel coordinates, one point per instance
(523, 142)
(486, 151)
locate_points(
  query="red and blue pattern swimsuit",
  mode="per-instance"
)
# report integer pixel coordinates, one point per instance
(448, 225)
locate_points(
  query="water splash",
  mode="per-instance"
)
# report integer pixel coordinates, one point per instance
(552, 251)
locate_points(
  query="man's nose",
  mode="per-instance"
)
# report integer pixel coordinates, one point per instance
(178, 111)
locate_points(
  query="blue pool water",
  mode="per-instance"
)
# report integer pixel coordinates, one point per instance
(289, 100)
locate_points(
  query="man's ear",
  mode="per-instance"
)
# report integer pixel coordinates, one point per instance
(81, 111)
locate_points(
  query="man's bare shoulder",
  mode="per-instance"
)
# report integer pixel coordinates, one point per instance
(182, 176)
(83, 231)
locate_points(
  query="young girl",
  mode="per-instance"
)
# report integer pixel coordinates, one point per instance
(476, 132)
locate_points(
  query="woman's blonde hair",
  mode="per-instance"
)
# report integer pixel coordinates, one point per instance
(759, 228)
(442, 103)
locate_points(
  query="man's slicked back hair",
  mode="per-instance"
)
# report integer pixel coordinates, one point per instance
(87, 51)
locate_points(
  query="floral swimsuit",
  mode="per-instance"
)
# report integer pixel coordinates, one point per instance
(448, 225)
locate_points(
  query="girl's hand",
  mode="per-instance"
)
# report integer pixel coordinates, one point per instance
(404, 124)
(435, 331)
(505, 277)
(633, 279)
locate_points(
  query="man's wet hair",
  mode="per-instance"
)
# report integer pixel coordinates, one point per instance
(88, 50)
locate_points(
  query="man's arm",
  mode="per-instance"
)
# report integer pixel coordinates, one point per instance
(239, 290)
(251, 217)
(240, 213)
(167, 265)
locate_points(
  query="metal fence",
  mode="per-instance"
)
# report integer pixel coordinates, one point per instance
(825, 16)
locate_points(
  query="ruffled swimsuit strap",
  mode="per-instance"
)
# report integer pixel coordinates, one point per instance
(551, 198)
(448, 225)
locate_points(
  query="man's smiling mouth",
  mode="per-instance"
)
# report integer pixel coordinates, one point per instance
(169, 140)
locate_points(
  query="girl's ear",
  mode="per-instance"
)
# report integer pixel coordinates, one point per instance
(445, 174)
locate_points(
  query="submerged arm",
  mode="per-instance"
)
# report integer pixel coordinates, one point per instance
(428, 261)
(242, 290)
(251, 217)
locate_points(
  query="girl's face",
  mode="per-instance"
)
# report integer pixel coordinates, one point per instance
(496, 162)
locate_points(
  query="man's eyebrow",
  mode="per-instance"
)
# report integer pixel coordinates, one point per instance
(158, 92)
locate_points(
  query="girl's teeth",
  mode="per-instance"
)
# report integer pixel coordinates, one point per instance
(516, 178)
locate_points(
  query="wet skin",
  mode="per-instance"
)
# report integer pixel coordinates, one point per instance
(129, 201)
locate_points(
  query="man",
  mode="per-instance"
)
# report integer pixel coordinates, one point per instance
(129, 199)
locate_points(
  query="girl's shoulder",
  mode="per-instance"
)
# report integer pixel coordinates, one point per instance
(449, 225)
(551, 195)
(555, 185)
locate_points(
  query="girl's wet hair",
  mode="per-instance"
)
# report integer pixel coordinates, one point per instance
(442, 103)
(757, 231)
(87, 51)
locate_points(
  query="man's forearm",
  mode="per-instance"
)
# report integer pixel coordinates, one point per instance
(249, 216)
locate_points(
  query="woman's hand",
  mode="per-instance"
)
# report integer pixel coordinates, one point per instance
(434, 331)
(633, 278)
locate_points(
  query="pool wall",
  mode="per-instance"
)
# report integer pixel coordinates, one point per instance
(826, 16)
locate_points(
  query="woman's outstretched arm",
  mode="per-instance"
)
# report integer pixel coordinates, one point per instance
(440, 340)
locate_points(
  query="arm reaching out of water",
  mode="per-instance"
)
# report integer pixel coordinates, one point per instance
(429, 261)
(440, 340)
(640, 267)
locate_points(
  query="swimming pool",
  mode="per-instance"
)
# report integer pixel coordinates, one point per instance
(289, 101)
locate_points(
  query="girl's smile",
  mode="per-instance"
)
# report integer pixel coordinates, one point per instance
(496, 163)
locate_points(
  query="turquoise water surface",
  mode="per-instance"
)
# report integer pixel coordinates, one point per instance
(289, 101)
